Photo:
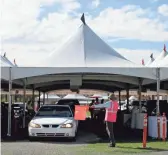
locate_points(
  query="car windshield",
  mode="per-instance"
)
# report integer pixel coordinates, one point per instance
(54, 111)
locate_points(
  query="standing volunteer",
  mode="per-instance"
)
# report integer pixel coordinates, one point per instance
(110, 117)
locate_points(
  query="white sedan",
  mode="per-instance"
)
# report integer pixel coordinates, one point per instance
(53, 121)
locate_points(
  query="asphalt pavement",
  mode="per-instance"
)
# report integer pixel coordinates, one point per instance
(49, 148)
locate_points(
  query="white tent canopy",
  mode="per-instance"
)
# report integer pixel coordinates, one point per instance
(5, 62)
(49, 99)
(84, 53)
(164, 62)
(86, 49)
(151, 60)
(5, 67)
(49, 96)
(159, 59)
(100, 96)
(76, 96)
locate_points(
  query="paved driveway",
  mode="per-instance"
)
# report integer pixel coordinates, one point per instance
(48, 148)
(45, 147)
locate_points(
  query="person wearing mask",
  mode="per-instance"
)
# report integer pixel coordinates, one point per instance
(110, 117)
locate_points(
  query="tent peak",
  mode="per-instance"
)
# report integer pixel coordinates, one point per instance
(83, 19)
(151, 56)
(164, 48)
(4, 54)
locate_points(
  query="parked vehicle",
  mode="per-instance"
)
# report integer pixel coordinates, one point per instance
(53, 121)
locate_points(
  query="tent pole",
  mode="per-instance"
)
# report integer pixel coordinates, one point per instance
(43, 98)
(127, 90)
(39, 103)
(47, 97)
(158, 90)
(24, 102)
(33, 96)
(140, 94)
(10, 102)
(119, 95)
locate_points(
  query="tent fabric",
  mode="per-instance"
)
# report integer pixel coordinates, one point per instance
(5, 62)
(86, 49)
(75, 96)
(5, 67)
(151, 60)
(159, 59)
(22, 72)
(164, 62)
(100, 96)
(50, 96)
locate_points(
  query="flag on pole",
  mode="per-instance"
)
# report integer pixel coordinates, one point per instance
(151, 56)
(83, 19)
(164, 48)
(80, 112)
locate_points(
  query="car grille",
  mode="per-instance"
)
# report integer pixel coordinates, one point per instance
(50, 125)
(50, 134)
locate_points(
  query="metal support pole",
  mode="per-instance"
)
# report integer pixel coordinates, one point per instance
(33, 97)
(43, 98)
(10, 102)
(140, 94)
(158, 90)
(127, 90)
(39, 100)
(47, 97)
(119, 96)
(24, 102)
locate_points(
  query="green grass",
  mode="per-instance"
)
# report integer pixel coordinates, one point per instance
(122, 148)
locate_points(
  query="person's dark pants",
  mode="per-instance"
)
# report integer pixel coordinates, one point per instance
(110, 132)
(91, 113)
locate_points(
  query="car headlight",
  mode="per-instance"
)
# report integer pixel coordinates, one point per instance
(33, 125)
(68, 125)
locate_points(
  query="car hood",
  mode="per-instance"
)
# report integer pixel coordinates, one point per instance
(51, 120)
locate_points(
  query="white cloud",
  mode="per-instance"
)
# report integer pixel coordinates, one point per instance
(129, 22)
(69, 5)
(95, 3)
(30, 40)
(163, 10)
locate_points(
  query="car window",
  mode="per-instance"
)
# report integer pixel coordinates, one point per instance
(54, 111)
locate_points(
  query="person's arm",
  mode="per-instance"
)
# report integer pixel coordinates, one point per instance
(105, 105)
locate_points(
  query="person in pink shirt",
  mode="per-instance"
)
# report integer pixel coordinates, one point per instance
(110, 117)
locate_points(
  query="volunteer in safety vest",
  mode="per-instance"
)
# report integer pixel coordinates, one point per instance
(110, 117)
